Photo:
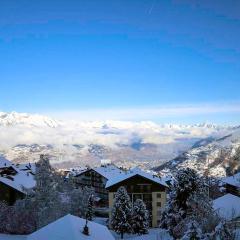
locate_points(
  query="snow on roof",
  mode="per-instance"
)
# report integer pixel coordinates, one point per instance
(71, 227)
(233, 180)
(23, 177)
(109, 171)
(133, 172)
(4, 162)
(12, 237)
(28, 167)
(19, 181)
(228, 206)
(76, 171)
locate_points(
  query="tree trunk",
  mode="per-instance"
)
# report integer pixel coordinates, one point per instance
(121, 235)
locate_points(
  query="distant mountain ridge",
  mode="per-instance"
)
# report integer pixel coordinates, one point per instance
(23, 137)
(217, 156)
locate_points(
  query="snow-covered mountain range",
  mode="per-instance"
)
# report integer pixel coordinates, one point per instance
(217, 157)
(23, 137)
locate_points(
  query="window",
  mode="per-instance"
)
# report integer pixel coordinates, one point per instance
(159, 204)
(159, 195)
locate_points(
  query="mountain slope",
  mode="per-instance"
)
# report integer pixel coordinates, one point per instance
(219, 157)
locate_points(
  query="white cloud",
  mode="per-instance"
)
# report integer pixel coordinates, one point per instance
(149, 113)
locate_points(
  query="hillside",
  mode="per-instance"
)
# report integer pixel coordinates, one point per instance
(220, 156)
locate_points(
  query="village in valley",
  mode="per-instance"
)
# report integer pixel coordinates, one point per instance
(39, 202)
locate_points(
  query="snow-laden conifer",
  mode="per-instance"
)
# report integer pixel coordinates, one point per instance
(140, 217)
(121, 213)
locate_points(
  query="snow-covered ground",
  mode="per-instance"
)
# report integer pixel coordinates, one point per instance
(12, 237)
(154, 234)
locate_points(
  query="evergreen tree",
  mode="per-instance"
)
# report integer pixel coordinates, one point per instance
(223, 231)
(193, 232)
(140, 217)
(89, 214)
(188, 201)
(46, 199)
(49, 200)
(121, 213)
(185, 184)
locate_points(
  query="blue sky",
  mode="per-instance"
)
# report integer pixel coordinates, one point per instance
(130, 60)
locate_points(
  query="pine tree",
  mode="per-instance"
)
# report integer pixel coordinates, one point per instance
(89, 214)
(193, 232)
(121, 213)
(188, 201)
(223, 231)
(47, 199)
(140, 217)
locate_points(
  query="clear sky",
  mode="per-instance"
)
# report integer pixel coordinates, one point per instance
(167, 61)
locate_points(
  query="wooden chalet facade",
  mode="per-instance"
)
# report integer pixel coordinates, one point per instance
(152, 192)
(9, 194)
(92, 178)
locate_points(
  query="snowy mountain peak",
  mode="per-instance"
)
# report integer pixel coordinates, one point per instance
(14, 118)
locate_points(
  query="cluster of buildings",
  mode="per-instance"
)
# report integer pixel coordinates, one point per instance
(139, 184)
(105, 180)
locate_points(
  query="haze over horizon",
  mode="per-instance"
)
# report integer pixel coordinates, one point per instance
(164, 61)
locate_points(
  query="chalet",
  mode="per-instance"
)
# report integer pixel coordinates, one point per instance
(141, 185)
(97, 178)
(14, 179)
(232, 184)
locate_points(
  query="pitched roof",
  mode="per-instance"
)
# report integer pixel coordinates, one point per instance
(109, 171)
(71, 227)
(134, 172)
(19, 181)
(233, 180)
(23, 178)
(228, 206)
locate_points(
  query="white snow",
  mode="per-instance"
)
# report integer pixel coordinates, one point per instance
(133, 172)
(154, 234)
(76, 171)
(12, 237)
(71, 227)
(109, 171)
(228, 206)
(23, 177)
(4, 162)
(233, 180)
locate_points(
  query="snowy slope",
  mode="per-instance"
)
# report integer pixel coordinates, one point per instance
(216, 155)
(23, 137)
